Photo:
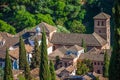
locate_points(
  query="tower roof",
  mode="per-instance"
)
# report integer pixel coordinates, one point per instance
(102, 15)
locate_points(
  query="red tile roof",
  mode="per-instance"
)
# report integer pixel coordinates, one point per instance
(102, 15)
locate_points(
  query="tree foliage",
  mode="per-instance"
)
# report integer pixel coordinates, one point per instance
(77, 27)
(22, 54)
(27, 71)
(23, 19)
(44, 73)
(106, 65)
(84, 45)
(62, 29)
(82, 68)
(8, 75)
(4, 27)
(89, 64)
(1, 73)
(27, 13)
(114, 69)
(36, 55)
(52, 71)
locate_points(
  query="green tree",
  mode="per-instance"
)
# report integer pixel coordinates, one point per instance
(83, 44)
(62, 29)
(23, 19)
(82, 68)
(1, 73)
(21, 77)
(77, 27)
(44, 66)
(89, 64)
(8, 75)
(22, 54)
(52, 71)
(114, 69)
(27, 71)
(36, 55)
(23, 63)
(44, 18)
(106, 64)
(4, 27)
(57, 61)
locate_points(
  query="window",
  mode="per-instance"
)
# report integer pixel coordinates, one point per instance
(101, 63)
(94, 63)
(99, 31)
(98, 63)
(102, 23)
(98, 23)
(98, 71)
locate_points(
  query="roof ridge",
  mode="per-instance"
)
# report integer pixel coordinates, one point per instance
(44, 25)
(96, 38)
(105, 14)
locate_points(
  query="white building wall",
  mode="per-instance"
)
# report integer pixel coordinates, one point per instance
(49, 50)
(79, 52)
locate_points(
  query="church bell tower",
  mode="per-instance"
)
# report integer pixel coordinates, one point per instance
(102, 26)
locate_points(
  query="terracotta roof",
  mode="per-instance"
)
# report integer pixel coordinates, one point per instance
(10, 40)
(17, 72)
(93, 54)
(99, 39)
(15, 53)
(70, 56)
(74, 38)
(35, 73)
(76, 48)
(48, 28)
(59, 70)
(70, 68)
(100, 76)
(102, 15)
(62, 52)
(59, 52)
(87, 77)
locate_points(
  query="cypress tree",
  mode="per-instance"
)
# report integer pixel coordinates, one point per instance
(27, 72)
(8, 75)
(36, 55)
(22, 54)
(52, 71)
(114, 69)
(84, 45)
(44, 66)
(106, 65)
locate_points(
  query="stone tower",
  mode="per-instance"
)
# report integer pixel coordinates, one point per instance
(102, 26)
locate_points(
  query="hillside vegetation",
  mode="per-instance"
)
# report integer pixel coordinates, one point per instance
(74, 15)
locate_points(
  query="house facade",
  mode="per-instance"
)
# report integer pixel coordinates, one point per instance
(97, 57)
(100, 38)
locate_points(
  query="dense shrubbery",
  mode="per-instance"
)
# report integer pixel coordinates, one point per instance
(71, 14)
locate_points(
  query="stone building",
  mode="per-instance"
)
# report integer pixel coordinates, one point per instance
(97, 57)
(100, 38)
